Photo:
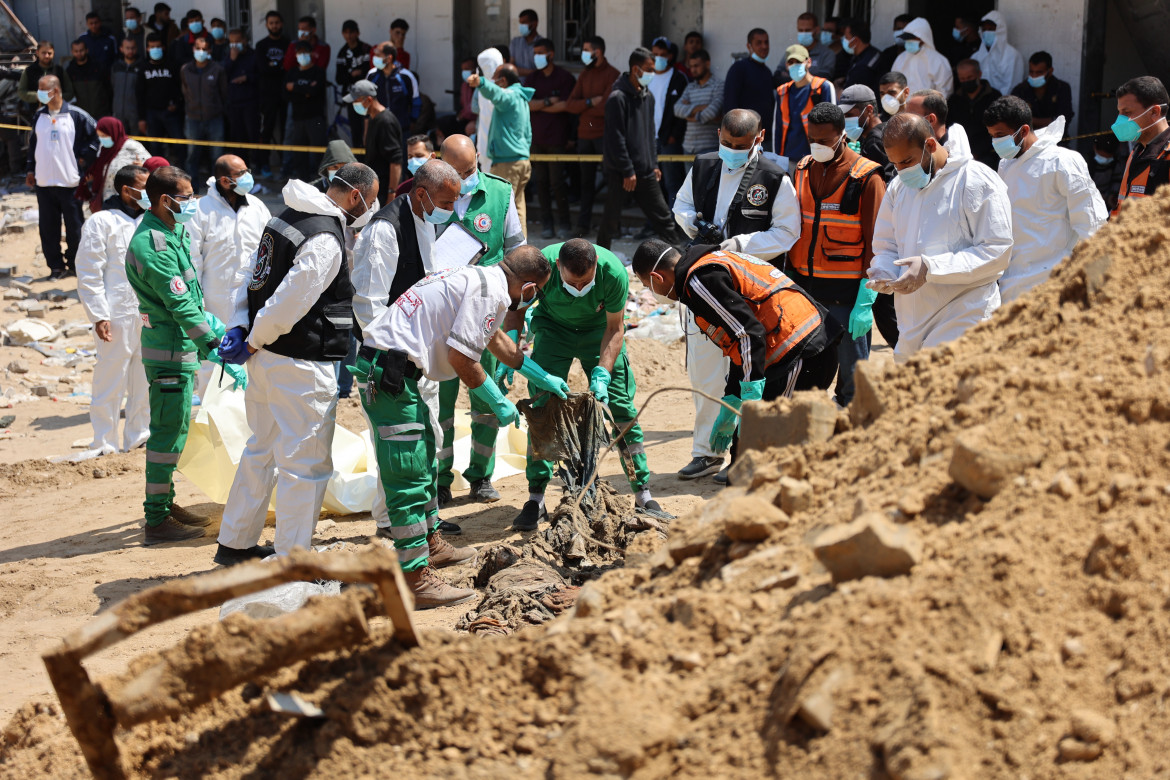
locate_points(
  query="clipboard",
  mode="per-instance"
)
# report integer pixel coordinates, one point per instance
(456, 247)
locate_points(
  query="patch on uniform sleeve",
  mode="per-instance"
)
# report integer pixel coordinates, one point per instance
(178, 286)
(145, 320)
(757, 194)
(489, 324)
(263, 265)
(482, 223)
(409, 303)
(160, 241)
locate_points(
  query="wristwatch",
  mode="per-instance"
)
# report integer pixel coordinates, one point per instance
(547, 102)
(589, 102)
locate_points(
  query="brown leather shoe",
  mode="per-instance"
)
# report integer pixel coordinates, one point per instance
(170, 530)
(188, 518)
(430, 590)
(443, 553)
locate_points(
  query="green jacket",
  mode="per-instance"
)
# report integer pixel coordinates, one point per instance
(175, 332)
(510, 133)
(486, 217)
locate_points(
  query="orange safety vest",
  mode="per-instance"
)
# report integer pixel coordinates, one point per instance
(1137, 187)
(785, 311)
(831, 243)
(785, 119)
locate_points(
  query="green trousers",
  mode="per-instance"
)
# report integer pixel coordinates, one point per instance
(484, 429)
(554, 349)
(405, 446)
(170, 416)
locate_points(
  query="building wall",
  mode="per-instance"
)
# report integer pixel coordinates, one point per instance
(59, 21)
(1054, 26)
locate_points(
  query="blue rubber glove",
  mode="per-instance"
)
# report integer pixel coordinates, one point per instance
(725, 425)
(234, 347)
(505, 375)
(861, 318)
(544, 380)
(504, 410)
(599, 380)
(751, 391)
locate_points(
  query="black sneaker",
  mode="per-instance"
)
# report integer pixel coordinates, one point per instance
(700, 467)
(57, 274)
(721, 477)
(529, 517)
(450, 529)
(170, 530)
(483, 492)
(230, 556)
(444, 496)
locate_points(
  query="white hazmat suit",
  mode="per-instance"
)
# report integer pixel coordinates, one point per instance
(961, 226)
(958, 145)
(926, 68)
(1002, 64)
(488, 60)
(106, 294)
(1055, 204)
(291, 404)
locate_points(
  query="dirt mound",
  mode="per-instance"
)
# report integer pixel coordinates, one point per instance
(1020, 476)
(26, 475)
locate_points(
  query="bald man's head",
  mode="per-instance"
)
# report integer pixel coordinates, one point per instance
(507, 74)
(458, 151)
(228, 169)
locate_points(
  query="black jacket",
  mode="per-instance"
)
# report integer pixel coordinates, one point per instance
(629, 145)
(673, 126)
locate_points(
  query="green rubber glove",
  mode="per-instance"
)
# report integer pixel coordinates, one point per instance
(861, 318)
(206, 345)
(504, 410)
(599, 380)
(238, 374)
(752, 391)
(543, 379)
(505, 374)
(725, 425)
(854, 145)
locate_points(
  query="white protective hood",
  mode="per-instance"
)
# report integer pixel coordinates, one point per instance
(961, 225)
(1002, 65)
(488, 60)
(925, 69)
(222, 243)
(305, 197)
(1055, 205)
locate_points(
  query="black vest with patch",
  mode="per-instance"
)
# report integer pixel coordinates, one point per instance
(751, 207)
(323, 333)
(410, 263)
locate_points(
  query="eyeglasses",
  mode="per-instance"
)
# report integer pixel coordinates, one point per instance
(182, 198)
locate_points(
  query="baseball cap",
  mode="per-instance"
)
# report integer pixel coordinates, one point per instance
(360, 89)
(851, 96)
(796, 52)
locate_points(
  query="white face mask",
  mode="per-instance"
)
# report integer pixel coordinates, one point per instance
(822, 153)
(660, 297)
(891, 104)
(573, 291)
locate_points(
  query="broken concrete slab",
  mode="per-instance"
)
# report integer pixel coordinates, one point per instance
(808, 417)
(870, 546)
(867, 404)
(981, 464)
(795, 495)
(18, 367)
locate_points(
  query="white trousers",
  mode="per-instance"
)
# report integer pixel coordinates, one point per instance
(119, 374)
(429, 390)
(292, 411)
(707, 369)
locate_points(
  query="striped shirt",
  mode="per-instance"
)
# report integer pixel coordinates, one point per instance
(703, 135)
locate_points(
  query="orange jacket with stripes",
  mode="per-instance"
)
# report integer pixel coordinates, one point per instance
(832, 241)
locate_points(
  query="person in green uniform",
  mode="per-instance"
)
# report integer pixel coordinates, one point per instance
(582, 317)
(487, 209)
(176, 334)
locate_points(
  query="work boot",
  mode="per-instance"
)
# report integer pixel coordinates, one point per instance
(443, 553)
(430, 590)
(230, 556)
(700, 467)
(721, 477)
(170, 530)
(444, 496)
(189, 518)
(483, 492)
(530, 516)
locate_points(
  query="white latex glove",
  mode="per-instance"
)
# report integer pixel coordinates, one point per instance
(879, 280)
(734, 244)
(913, 277)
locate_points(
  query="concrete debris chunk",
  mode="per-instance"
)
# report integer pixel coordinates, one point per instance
(867, 403)
(41, 390)
(13, 294)
(795, 495)
(1074, 750)
(980, 465)
(1063, 485)
(1090, 726)
(18, 367)
(808, 417)
(751, 519)
(869, 546)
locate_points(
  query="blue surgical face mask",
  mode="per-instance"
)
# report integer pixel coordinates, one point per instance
(330, 174)
(437, 216)
(540, 60)
(797, 72)
(805, 39)
(1125, 128)
(957, 34)
(988, 37)
(912, 46)
(1037, 81)
(303, 34)
(155, 52)
(1102, 160)
(360, 108)
(218, 33)
(734, 159)
(522, 304)
(661, 64)
(245, 183)
(759, 59)
(826, 38)
(853, 127)
(379, 63)
(106, 142)
(131, 24)
(916, 177)
(236, 46)
(846, 45)
(195, 27)
(469, 184)
(414, 163)
(304, 59)
(202, 56)
(186, 212)
(143, 199)
(573, 291)
(525, 30)
(44, 96)
(586, 58)
(646, 77)
(1006, 146)
(464, 75)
